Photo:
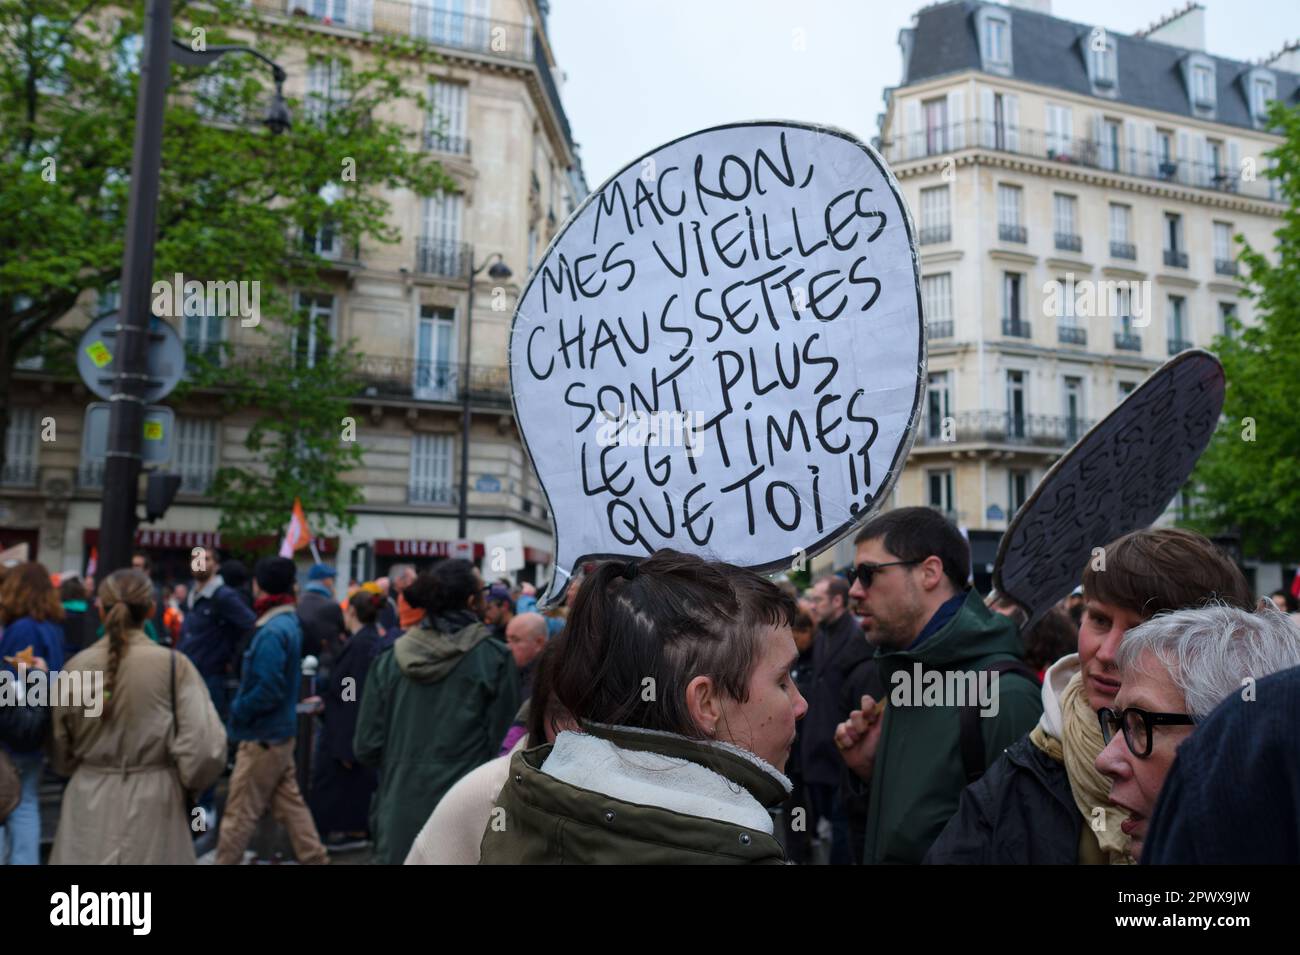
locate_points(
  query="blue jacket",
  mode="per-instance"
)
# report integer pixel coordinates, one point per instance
(44, 637)
(265, 709)
(214, 625)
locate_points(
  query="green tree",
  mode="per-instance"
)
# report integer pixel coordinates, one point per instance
(1246, 482)
(235, 203)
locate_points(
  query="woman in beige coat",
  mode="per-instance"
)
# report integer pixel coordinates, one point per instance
(157, 737)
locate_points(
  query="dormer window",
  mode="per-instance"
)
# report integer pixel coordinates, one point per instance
(1103, 62)
(1203, 86)
(1198, 73)
(994, 26)
(1262, 87)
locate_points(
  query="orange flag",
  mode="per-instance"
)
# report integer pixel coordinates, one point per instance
(299, 535)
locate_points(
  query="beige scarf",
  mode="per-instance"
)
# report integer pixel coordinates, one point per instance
(1078, 750)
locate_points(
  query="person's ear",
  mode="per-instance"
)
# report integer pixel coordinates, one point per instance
(703, 704)
(931, 572)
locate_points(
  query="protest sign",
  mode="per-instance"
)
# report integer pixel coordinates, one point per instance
(1118, 478)
(722, 351)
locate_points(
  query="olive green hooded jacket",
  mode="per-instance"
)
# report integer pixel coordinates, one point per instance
(918, 776)
(543, 819)
(435, 707)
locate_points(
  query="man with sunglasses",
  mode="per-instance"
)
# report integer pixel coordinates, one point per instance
(1043, 801)
(911, 569)
(1174, 670)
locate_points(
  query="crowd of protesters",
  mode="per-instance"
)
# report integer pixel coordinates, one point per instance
(673, 709)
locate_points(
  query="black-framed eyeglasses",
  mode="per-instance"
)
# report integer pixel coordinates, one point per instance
(865, 572)
(1137, 725)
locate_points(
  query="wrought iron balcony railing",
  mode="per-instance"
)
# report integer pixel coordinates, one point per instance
(935, 233)
(1112, 155)
(1123, 250)
(1178, 344)
(1002, 427)
(1013, 233)
(1072, 335)
(1175, 259)
(437, 142)
(442, 257)
(1225, 266)
(19, 473)
(1015, 328)
(938, 329)
(1128, 341)
(1069, 242)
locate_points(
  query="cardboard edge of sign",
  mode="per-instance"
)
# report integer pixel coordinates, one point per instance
(1034, 614)
(555, 594)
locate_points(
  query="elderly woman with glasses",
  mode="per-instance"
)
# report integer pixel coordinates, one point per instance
(1174, 669)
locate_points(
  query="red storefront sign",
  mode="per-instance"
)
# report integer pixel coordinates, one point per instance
(149, 539)
(415, 547)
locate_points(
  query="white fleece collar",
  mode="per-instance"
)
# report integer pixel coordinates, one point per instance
(1058, 676)
(651, 779)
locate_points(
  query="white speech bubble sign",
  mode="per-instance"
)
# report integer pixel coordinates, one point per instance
(726, 358)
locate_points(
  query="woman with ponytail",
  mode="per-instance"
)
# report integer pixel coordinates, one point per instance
(436, 705)
(340, 787)
(142, 734)
(677, 671)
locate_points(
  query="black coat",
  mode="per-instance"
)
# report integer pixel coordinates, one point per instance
(836, 652)
(340, 794)
(855, 793)
(1233, 793)
(322, 624)
(1020, 812)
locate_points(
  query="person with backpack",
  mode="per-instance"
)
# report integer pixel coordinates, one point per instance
(132, 760)
(264, 721)
(917, 748)
(1044, 801)
(31, 614)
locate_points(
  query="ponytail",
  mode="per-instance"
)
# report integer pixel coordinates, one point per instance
(125, 596)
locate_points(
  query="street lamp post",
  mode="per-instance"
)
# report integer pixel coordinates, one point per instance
(496, 269)
(130, 369)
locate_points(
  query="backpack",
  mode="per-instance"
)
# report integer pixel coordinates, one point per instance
(971, 737)
(23, 728)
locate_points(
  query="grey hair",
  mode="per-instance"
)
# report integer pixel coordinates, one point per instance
(1211, 650)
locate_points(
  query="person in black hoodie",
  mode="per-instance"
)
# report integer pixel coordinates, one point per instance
(795, 809)
(341, 787)
(79, 620)
(838, 648)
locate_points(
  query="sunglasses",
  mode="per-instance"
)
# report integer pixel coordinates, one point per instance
(865, 572)
(1137, 725)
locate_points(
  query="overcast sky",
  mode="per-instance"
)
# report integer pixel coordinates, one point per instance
(643, 72)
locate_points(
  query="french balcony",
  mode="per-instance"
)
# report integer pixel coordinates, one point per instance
(1178, 344)
(437, 142)
(934, 234)
(19, 473)
(935, 330)
(1069, 242)
(1225, 267)
(1071, 335)
(1015, 328)
(1013, 233)
(443, 258)
(432, 493)
(1175, 259)
(1128, 341)
(1123, 250)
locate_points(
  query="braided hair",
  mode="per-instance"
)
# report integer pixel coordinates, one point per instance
(126, 599)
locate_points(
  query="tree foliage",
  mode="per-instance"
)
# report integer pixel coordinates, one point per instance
(234, 204)
(1246, 482)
